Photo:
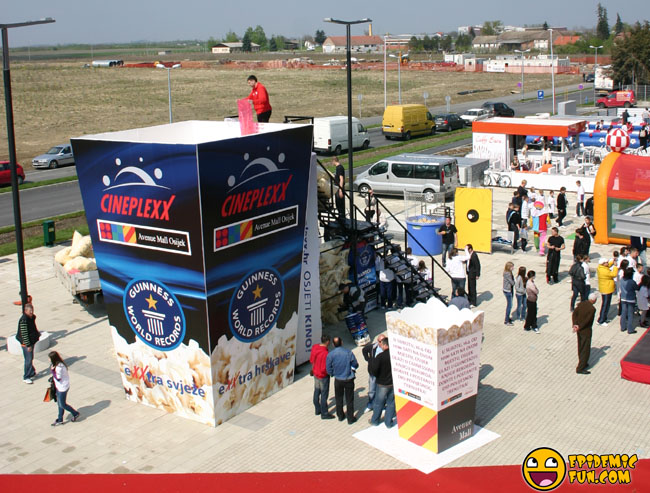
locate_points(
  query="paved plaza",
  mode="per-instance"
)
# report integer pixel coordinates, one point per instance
(529, 392)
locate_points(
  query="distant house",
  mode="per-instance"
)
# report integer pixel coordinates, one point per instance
(362, 44)
(485, 43)
(291, 44)
(233, 47)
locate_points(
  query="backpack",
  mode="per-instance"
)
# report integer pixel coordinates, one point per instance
(577, 272)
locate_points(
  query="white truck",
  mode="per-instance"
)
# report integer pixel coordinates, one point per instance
(331, 134)
(603, 82)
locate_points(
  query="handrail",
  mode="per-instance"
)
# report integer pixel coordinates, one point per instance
(407, 232)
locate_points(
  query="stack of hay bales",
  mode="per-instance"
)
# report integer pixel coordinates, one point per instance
(334, 269)
(78, 257)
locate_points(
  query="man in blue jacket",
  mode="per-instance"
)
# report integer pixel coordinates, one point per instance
(341, 364)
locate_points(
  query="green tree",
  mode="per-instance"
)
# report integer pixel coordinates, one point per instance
(545, 26)
(320, 37)
(279, 41)
(446, 43)
(618, 27)
(631, 56)
(490, 28)
(258, 36)
(273, 46)
(463, 42)
(231, 37)
(472, 34)
(246, 42)
(427, 44)
(602, 27)
(415, 44)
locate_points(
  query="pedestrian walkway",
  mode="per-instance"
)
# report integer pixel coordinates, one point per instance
(529, 392)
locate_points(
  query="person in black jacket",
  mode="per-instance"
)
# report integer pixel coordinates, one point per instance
(514, 223)
(581, 243)
(380, 368)
(473, 273)
(561, 206)
(28, 335)
(370, 351)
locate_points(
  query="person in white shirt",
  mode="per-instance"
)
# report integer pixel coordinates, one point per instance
(550, 204)
(532, 196)
(61, 380)
(423, 271)
(580, 199)
(525, 209)
(585, 266)
(386, 277)
(457, 269)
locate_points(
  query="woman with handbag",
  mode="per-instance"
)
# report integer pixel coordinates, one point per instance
(62, 383)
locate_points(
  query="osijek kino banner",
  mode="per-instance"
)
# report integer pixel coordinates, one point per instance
(198, 234)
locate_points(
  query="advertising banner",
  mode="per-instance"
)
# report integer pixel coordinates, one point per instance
(367, 274)
(310, 326)
(492, 147)
(435, 356)
(473, 218)
(188, 221)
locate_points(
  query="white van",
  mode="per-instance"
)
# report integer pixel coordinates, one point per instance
(410, 172)
(331, 134)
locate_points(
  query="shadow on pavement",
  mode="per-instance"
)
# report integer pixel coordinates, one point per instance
(490, 402)
(596, 354)
(96, 408)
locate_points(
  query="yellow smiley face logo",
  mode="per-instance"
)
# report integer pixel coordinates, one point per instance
(544, 469)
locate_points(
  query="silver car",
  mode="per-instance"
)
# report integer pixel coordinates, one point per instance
(55, 157)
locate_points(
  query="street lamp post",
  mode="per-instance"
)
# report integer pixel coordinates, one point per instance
(385, 70)
(399, 76)
(353, 221)
(596, 48)
(169, 84)
(11, 138)
(552, 70)
(521, 52)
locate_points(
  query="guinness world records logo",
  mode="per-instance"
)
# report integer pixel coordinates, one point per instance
(256, 304)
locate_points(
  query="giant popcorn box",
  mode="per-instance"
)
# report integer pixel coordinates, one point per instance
(198, 233)
(435, 357)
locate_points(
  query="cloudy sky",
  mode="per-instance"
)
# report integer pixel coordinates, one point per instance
(84, 21)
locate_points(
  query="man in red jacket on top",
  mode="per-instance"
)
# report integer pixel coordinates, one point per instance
(318, 360)
(260, 99)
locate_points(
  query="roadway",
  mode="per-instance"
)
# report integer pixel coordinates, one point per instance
(51, 200)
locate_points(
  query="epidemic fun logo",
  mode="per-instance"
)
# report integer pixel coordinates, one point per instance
(154, 314)
(256, 304)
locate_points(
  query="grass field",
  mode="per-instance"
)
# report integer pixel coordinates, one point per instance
(54, 101)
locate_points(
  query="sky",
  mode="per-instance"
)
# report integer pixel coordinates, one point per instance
(84, 21)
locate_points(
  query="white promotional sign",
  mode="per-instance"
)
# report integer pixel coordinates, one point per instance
(492, 147)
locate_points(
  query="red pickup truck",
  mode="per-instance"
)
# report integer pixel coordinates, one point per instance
(616, 99)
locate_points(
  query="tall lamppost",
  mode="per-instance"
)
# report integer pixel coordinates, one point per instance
(11, 138)
(596, 48)
(522, 70)
(353, 220)
(386, 36)
(399, 75)
(169, 84)
(552, 70)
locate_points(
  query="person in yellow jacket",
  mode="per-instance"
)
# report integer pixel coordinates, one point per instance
(607, 272)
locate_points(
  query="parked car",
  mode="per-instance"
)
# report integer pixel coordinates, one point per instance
(448, 122)
(498, 109)
(407, 120)
(473, 115)
(590, 77)
(55, 157)
(331, 134)
(5, 173)
(411, 172)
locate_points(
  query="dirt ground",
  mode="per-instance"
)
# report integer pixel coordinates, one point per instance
(55, 101)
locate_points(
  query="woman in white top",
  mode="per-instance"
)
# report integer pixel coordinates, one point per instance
(457, 269)
(62, 383)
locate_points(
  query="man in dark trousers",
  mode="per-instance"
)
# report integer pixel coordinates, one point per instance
(339, 195)
(514, 223)
(449, 239)
(28, 336)
(561, 206)
(318, 359)
(555, 244)
(473, 273)
(583, 319)
(370, 351)
(380, 368)
(341, 364)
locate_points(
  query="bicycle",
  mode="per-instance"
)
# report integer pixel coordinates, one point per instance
(494, 178)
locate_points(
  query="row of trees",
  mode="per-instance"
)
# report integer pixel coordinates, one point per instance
(258, 36)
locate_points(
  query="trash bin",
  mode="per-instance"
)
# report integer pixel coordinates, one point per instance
(425, 230)
(49, 233)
